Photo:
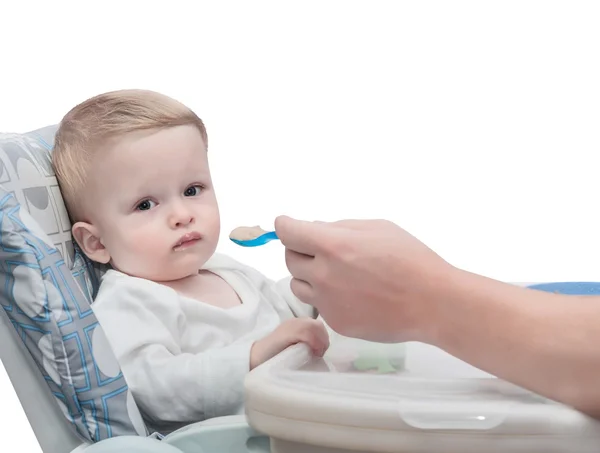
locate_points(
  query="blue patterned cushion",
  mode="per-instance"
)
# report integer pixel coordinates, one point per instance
(47, 288)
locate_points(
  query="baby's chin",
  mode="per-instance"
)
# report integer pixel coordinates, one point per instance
(172, 267)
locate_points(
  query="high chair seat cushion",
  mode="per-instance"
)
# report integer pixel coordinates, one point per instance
(46, 289)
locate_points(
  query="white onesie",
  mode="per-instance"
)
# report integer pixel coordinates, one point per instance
(183, 359)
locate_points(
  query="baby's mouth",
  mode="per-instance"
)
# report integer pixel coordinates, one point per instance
(187, 240)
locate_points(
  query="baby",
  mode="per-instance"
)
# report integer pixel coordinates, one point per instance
(185, 324)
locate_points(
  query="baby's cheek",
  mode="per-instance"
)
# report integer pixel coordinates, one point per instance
(143, 243)
(212, 221)
(149, 243)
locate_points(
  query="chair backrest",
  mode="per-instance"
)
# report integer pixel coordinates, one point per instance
(56, 354)
(52, 430)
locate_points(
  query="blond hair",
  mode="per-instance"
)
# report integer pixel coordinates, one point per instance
(92, 124)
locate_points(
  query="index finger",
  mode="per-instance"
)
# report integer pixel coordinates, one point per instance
(300, 236)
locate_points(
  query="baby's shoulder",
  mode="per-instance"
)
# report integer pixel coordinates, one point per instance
(116, 285)
(114, 277)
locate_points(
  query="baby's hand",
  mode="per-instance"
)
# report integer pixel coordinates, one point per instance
(290, 332)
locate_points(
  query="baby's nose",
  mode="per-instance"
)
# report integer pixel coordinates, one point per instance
(181, 217)
(184, 221)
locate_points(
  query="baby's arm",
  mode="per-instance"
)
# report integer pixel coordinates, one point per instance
(143, 325)
(282, 288)
(279, 293)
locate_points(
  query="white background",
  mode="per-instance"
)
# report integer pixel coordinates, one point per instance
(474, 125)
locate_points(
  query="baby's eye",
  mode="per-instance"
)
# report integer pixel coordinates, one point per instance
(193, 191)
(145, 205)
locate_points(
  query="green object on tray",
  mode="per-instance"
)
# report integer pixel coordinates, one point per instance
(381, 364)
(381, 358)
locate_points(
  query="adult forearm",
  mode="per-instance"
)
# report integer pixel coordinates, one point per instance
(545, 342)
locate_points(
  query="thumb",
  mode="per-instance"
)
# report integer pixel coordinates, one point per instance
(353, 224)
(300, 236)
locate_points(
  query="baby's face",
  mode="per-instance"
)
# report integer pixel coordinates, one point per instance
(153, 204)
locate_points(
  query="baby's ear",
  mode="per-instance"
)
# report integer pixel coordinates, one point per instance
(89, 241)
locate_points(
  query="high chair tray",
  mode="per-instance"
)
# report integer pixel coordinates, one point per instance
(431, 402)
(219, 435)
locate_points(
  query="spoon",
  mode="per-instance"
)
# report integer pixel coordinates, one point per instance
(252, 236)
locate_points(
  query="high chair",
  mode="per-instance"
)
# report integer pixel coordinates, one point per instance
(77, 400)
(54, 351)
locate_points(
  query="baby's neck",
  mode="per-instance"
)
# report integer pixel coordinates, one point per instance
(207, 287)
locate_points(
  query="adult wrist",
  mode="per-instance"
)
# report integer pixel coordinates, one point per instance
(444, 297)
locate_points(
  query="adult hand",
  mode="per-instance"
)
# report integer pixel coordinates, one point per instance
(371, 279)
(368, 278)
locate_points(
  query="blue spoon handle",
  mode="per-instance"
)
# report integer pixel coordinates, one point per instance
(260, 240)
(271, 235)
